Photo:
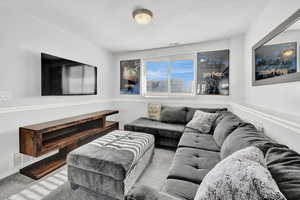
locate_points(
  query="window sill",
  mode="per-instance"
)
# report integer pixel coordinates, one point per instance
(175, 96)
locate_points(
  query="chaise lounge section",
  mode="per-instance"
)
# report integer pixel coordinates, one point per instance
(166, 132)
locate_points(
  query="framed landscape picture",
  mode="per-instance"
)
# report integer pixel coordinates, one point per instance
(130, 76)
(213, 72)
(275, 60)
(276, 57)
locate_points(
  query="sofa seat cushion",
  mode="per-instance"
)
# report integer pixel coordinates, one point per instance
(180, 189)
(157, 128)
(192, 164)
(284, 165)
(199, 141)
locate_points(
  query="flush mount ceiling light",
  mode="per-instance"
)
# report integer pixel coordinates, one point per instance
(142, 16)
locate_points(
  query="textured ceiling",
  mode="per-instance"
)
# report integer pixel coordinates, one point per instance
(109, 23)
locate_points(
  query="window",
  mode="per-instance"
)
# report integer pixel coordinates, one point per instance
(172, 75)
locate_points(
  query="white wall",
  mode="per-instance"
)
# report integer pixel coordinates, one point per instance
(137, 103)
(276, 107)
(22, 39)
(280, 99)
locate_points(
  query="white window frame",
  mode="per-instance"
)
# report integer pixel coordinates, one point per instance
(168, 58)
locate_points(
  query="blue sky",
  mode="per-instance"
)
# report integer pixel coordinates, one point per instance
(182, 69)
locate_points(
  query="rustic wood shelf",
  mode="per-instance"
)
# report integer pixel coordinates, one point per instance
(63, 135)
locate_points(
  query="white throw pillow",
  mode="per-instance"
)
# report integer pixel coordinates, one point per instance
(242, 175)
(202, 121)
(154, 111)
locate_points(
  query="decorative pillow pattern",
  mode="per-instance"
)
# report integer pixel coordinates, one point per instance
(191, 111)
(202, 121)
(243, 175)
(154, 111)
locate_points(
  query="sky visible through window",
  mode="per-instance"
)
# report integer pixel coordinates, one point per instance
(181, 74)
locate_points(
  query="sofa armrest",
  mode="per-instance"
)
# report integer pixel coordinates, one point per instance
(147, 193)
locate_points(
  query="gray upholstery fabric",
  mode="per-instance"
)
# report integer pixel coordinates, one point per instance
(284, 165)
(191, 111)
(189, 130)
(227, 124)
(147, 193)
(166, 142)
(142, 192)
(242, 137)
(103, 160)
(111, 164)
(192, 164)
(180, 189)
(199, 141)
(173, 114)
(202, 121)
(96, 182)
(222, 114)
(156, 128)
(242, 176)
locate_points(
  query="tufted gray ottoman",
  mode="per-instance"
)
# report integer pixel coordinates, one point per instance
(107, 167)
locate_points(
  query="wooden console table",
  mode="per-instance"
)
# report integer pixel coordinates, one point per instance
(63, 135)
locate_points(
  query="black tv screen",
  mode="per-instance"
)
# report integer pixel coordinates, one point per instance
(66, 77)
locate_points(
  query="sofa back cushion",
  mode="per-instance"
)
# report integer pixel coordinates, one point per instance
(284, 165)
(244, 136)
(191, 111)
(173, 114)
(227, 124)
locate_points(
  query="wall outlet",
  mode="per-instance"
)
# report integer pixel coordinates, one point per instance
(5, 96)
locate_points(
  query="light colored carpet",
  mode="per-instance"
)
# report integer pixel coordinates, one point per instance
(55, 186)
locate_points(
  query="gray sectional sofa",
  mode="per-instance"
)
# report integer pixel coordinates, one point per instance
(168, 134)
(198, 153)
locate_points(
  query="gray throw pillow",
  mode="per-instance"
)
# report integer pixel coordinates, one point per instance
(243, 176)
(173, 114)
(225, 127)
(191, 111)
(202, 121)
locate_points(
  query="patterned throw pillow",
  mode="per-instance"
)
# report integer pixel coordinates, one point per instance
(202, 121)
(154, 111)
(242, 175)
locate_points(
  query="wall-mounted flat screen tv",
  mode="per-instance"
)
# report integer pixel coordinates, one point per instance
(66, 77)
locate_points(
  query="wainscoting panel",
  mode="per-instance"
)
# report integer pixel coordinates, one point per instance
(282, 130)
